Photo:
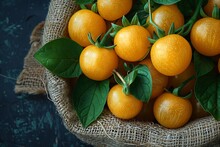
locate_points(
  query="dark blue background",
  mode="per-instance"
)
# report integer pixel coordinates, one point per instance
(25, 120)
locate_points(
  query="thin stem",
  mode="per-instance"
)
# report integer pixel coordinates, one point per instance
(124, 84)
(178, 89)
(105, 37)
(192, 19)
(120, 77)
(151, 20)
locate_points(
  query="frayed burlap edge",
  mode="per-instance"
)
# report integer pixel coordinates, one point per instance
(32, 79)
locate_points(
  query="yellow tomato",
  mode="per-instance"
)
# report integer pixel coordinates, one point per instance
(84, 22)
(164, 16)
(132, 43)
(98, 63)
(113, 9)
(172, 111)
(171, 55)
(205, 36)
(121, 105)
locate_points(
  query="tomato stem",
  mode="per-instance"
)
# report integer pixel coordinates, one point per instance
(191, 21)
(160, 32)
(177, 90)
(122, 82)
(105, 37)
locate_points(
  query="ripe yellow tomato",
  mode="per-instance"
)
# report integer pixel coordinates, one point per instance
(175, 81)
(164, 16)
(159, 81)
(83, 22)
(172, 111)
(132, 43)
(210, 5)
(205, 36)
(113, 9)
(98, 63)
(171, 54)
(121, 105)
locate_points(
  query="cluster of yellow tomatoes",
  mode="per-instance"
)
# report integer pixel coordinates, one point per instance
(169, 58)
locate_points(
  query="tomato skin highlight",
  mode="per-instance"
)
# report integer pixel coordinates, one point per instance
(98, 63)
(131, 43)
(172, 111)
(205, 36)
(83, 22)
(171, 54)
(121, 105)
(113, 9)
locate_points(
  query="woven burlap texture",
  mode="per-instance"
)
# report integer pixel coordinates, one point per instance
(32, 78)
(108, 130)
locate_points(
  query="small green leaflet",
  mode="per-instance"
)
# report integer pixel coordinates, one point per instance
(202, 64)
(89, 98)
(207, 92)
(166, 2)
(141, 87)
(84, 2)
(61, 57)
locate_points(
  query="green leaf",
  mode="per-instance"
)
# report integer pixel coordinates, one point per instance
(129, 79)
(207, 92)
(125, 21)
(166, 2)
(135, 20)
(171, 29)
(89, 98)
(216, 12)
(116, 28)
(84, 2)
(202, 64)
(138, 8)
(187, 8)
(141, 88)
(61, 57)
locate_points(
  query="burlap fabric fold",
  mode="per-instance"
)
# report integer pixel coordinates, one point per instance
(108, 130)
(32, 78)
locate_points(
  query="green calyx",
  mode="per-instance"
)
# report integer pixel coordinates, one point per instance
(215, 12)
(125, 23)
(137, 82)
(102, 42)
(183, 30)
(176, 91)
(121, 81)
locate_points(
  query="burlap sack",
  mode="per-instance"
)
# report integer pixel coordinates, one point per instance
(108, 130)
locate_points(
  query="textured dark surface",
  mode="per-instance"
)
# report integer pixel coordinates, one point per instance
(25, 120)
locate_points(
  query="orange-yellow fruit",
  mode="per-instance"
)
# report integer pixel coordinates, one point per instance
(84, 22)
(172, 111)
(171, 55)
(164, 16)
(121, 105)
